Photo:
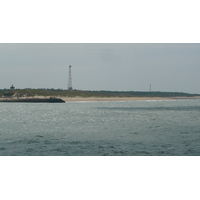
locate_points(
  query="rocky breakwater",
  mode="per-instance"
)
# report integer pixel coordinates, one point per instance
(32, 100)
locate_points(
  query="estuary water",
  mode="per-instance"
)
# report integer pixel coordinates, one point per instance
(137, 128)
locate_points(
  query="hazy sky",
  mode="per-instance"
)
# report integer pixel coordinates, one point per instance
(123, 67)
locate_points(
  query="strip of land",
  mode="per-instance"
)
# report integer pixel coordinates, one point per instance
(85, 99)
(93, 99)
(79, 95)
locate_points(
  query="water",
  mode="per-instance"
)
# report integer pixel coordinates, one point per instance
(156, 128)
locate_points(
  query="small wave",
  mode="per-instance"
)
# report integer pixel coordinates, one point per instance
(134, 133)
(40, 136)
(30, 150)
(185, 132)
(32, 141)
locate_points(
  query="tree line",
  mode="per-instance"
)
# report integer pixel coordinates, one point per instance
(87, 93)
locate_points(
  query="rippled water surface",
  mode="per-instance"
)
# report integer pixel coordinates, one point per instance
(101, 128)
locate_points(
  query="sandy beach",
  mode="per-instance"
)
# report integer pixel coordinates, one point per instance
(79, 99)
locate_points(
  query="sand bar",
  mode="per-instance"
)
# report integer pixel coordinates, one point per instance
(79, 99)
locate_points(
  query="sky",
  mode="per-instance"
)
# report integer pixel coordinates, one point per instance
(169, 67)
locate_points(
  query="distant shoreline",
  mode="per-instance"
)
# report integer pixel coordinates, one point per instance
(85, 99)
(46, 99)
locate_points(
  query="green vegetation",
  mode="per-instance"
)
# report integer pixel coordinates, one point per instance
(81, 93)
